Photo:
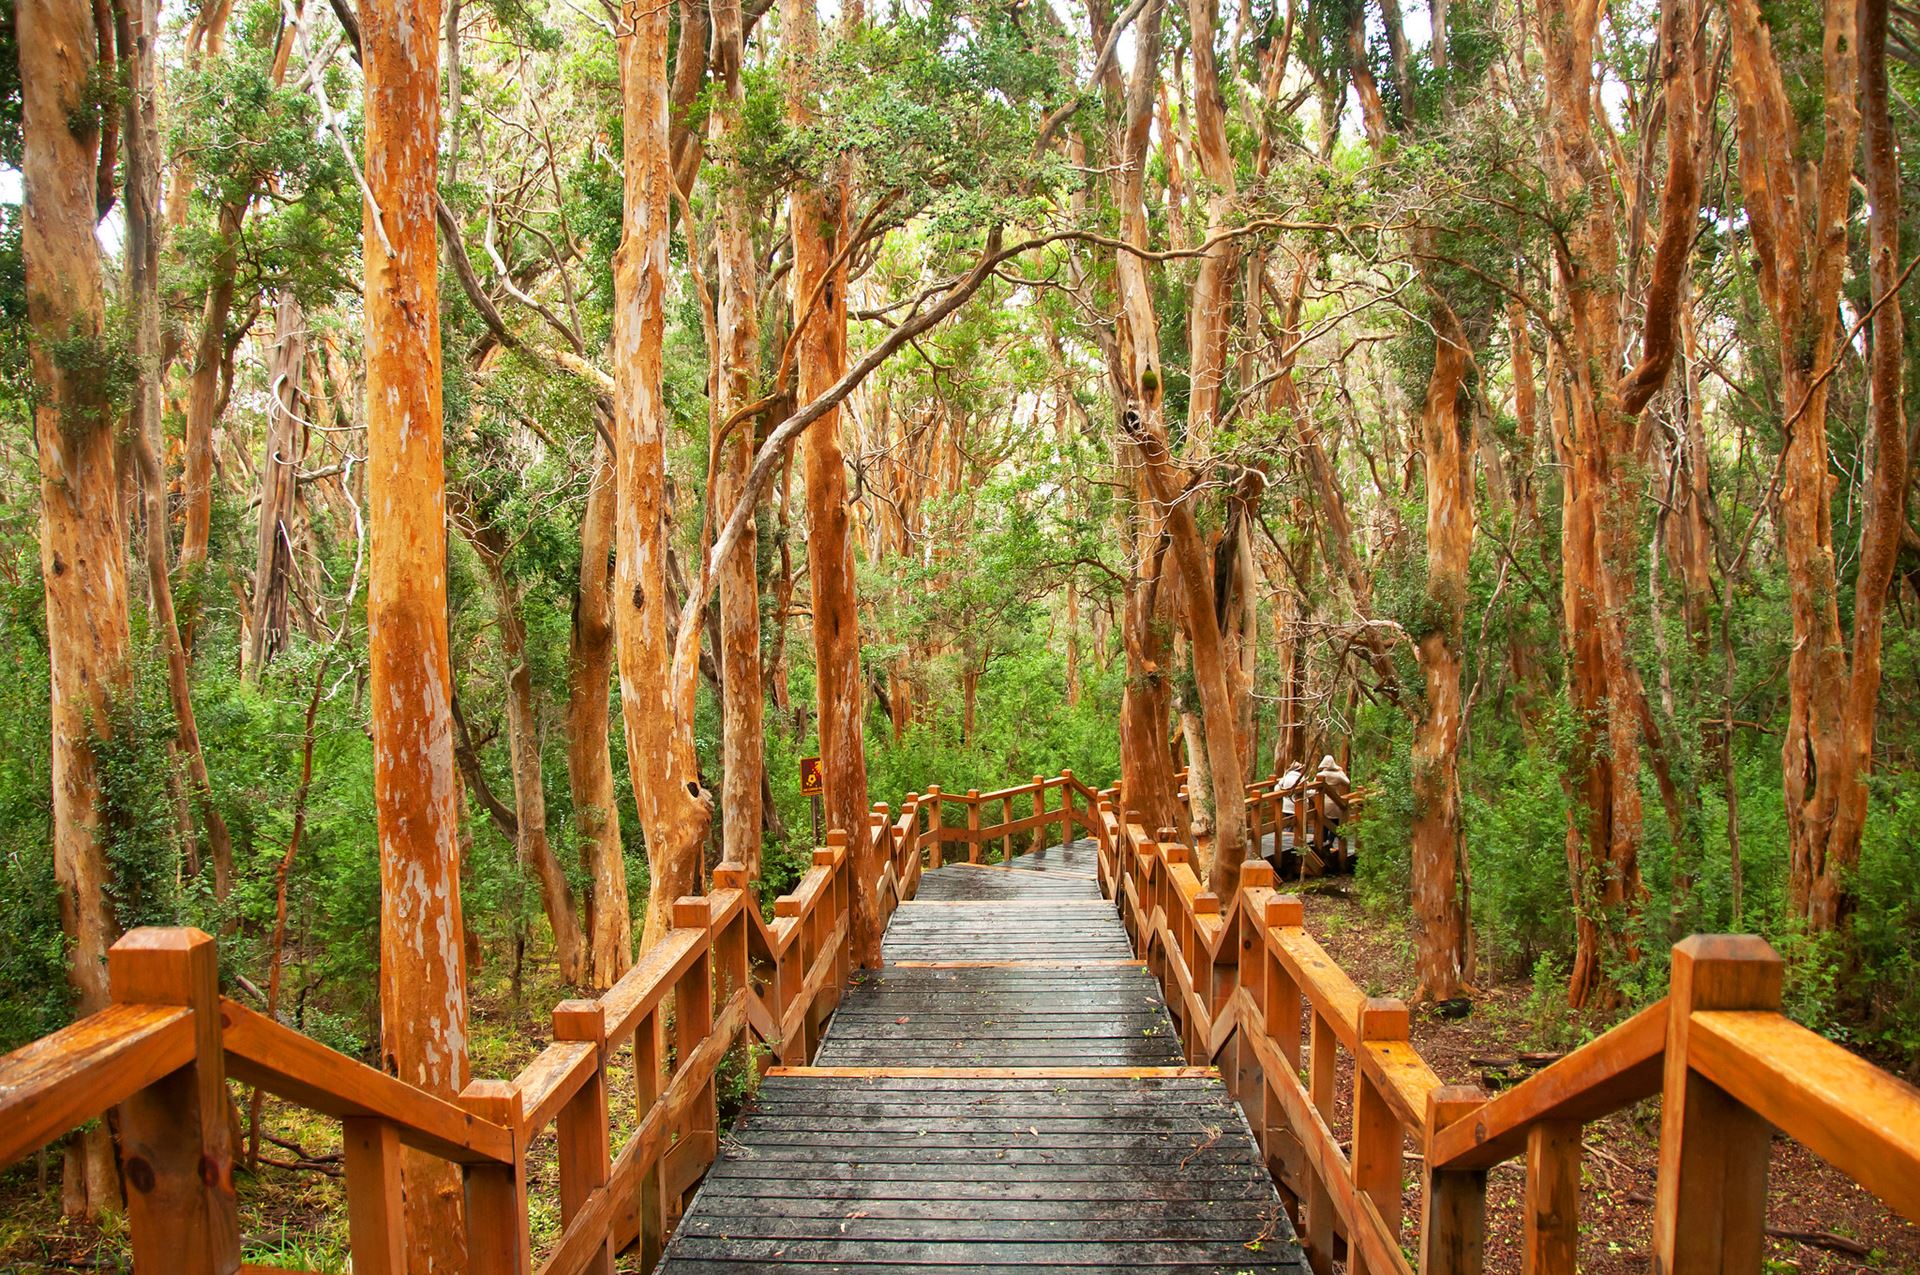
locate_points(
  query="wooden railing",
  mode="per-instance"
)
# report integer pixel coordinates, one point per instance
(919, 837)
(161, 1055)
(1254, 994)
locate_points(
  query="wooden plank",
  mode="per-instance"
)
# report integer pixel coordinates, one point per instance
(1058, 963)
(1858, 1118)
(1607, 1073)
(61, 1081)
(308, 1074)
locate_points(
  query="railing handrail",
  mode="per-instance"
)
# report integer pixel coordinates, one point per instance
(1721, 1026)
(173, 1029)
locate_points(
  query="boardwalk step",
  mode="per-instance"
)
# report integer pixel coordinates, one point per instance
(1006, 1093)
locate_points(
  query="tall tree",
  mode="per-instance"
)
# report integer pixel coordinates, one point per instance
(589, 759)
(743, 698)
(423, 984)
(657, 706)
(82, 530)
(1798, 215)
(818, 220)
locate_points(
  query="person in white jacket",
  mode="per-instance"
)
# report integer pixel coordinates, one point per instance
(1334, 787)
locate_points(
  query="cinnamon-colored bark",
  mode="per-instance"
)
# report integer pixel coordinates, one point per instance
(423, 993)
(82, 534)
(531, 842)
(596, 812)
(279, 469)
(819, 223)
(657, 707)
(742, 699)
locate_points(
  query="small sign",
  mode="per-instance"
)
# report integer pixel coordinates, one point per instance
(811, 783)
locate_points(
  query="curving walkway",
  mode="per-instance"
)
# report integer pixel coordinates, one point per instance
(1006, 1093)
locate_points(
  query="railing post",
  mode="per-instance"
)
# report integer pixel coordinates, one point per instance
(581, 1127)
(498, 1242)
(1280, 1002)
(174, 1139)
(1039, 814)
(1006, 838)
(1710, 1214)
(1322, 1074)
(1453, 1228)
(935, 819)
(1550, 1213)
(376, 1225)
(1377, 1135)
(1066, 807)
(973, 825)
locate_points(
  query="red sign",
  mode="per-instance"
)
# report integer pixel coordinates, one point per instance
(811, 783)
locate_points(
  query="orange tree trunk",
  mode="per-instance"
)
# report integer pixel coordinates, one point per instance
(742, 699)
(82, 535)
(819, 222)
(423, 992)
(273, 553)
(675, 810)
(596, 815)
(1799, 221)
(1439, 843)
(531, 842)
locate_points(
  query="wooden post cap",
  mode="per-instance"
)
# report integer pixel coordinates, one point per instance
(933, 790)
(837, 837)
(159, 965)
(1286, 910)
(1727, 971)
(824, 856)
(786, 905)
(973, 794)
(1255, 873)
(1451, 1103)
(580, 1020)
(690, 912)
(1382, 1018)
(729, 875)
(497, 1102)
(1206, 903)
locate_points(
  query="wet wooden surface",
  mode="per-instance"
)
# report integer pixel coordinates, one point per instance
(1060, 1132)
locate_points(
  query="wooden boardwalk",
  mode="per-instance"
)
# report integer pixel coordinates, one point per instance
(1008, 1092)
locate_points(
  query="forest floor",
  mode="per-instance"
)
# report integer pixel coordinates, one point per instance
(1842, 1227)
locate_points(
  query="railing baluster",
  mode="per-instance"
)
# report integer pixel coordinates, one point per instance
(1550, 1217)
(376, 1228)
(582, 1123)
(692, 1021)
(649, 1068)
(973, 825)
(175, 1144)
(1322, 1071)
(936, 854)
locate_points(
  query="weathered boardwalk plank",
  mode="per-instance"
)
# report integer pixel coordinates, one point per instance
(1004, 987)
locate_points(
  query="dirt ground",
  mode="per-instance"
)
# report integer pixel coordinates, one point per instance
(1841, 1227)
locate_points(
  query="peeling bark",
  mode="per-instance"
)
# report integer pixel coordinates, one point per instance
(423, 992)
